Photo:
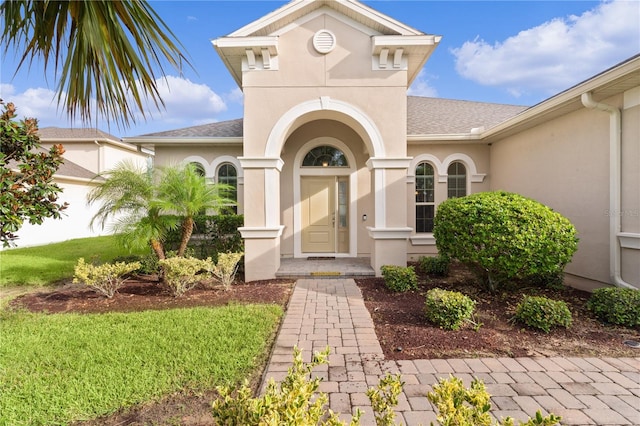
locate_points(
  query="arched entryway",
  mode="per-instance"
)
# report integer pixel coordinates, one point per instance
(325, 194)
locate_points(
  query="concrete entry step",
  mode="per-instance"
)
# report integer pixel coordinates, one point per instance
(325, 267)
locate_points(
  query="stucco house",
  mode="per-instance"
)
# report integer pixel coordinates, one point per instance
(88, 152)
(332, 158)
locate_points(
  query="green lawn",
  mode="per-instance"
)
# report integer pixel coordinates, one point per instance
(42, 265)
(55, 369)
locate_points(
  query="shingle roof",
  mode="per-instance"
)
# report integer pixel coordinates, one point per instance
(72, 133)
(221, 129)
(68, 168)
(429, 116)
(425, 116)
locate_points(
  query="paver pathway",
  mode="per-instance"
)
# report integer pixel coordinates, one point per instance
(331, 312)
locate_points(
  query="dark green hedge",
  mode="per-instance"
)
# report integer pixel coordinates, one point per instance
(212, 234)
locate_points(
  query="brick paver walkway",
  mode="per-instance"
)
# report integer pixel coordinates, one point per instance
(331, 312)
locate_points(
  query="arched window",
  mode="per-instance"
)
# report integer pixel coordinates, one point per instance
(456, 180)
(228, 175)
(425, 197)
(199, 168)
(325, 156)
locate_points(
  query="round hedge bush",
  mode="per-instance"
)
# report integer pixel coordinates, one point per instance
(543, 313)
(504, 236)
(448, 309)
(614, 305)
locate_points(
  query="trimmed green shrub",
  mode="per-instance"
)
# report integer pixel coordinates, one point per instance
(543, 313)
(399, 278)
(461, 406)
(106, 279)
(448, 309)
(504, 236)
(615, 305)
(181, 274)
(437, 266)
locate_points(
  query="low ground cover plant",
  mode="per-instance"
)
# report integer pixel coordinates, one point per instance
(61, 368)
(448, 309)
(399, 278)
(504, 236)
(615, 305)
(543, 313)
(105, 279)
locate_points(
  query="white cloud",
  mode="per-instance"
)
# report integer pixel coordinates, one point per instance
(186, 102)
(38, 102)
(236, 96)
(421, 86)
(556, 54)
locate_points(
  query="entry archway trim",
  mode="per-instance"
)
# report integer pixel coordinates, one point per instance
(280, 130)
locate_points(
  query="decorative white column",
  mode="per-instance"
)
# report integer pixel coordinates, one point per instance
(390, 233)
(262, 228)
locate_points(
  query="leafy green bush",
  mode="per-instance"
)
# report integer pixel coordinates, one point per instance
(399, 278)
(106, 279)
(295, 401)
(437, 266)
(384, 397)
(448, 309)
(225, 268)
(461, 406)
(615, 305)
(543, 313)
(504, 236)
(181, 274)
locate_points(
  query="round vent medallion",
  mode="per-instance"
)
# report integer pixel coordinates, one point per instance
(324, 41)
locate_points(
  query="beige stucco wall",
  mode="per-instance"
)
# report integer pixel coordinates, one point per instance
(98, 157)
(564, 163)
(344, 74)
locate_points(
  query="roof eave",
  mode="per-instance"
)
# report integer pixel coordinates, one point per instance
(427, 139)
(564, 102)
(184, 140)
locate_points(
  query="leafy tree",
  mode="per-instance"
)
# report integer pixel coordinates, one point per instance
(183, 190)
(102, 51)
(127, 194)
(27, 191)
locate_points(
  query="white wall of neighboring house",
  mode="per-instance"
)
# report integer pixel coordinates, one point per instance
(74, 222)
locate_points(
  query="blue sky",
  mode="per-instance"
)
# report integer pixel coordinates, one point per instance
(513, 52)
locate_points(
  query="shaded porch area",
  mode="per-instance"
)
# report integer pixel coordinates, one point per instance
(325, 267)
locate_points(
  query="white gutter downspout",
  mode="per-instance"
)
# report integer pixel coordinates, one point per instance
(615, 140)
(100, 156)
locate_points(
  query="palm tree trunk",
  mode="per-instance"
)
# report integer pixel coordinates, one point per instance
(158, 249)
(187, 230)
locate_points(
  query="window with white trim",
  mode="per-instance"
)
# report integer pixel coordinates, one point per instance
(228, 175)
(456, 180)
(425, 197)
